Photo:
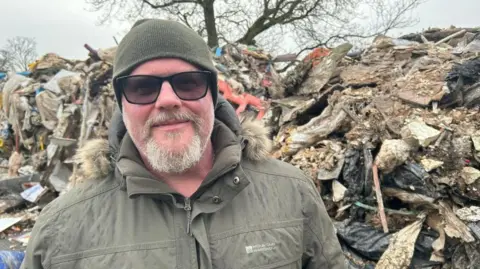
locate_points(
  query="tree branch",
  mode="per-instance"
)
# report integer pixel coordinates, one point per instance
(173, 2)
(308, 23)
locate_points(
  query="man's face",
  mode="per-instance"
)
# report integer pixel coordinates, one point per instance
(171, 133)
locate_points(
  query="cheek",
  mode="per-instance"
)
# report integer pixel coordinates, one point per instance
(136, 115)
(204, 109)
(208, 117)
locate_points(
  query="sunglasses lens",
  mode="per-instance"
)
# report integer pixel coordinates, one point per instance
(140, 90)
(190, 86)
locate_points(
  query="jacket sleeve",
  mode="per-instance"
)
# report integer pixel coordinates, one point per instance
(321, 246)
(38, 246)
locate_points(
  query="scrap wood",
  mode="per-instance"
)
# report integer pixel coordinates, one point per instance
(387, 210)
(319, 127)
(424, 39)
(446, 39)
(443, 134)
(415, 199)
(437, 34)
(378, 192)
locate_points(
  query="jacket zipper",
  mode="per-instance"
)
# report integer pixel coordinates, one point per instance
(188, 208)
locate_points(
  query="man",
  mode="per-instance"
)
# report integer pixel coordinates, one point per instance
(186, 186)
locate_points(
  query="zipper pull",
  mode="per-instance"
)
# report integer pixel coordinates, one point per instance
(188, 208)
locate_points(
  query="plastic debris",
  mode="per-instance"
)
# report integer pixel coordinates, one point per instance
(408, 106)
(11, 259)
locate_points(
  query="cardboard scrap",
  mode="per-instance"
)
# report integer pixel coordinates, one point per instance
(402, 245)
(6, 223)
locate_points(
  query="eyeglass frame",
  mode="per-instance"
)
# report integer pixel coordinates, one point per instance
(210, 81)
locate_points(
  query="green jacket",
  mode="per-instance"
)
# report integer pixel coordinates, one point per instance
(251, 211)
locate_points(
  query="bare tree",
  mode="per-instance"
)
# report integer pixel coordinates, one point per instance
(5, 60)
(19, 52)
(309, 23)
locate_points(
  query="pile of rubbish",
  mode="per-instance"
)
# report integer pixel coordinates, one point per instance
(389, 134)
(391, 137)
(46, 113)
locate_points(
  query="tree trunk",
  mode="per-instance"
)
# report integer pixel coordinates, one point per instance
(257, 28)
(209, 14)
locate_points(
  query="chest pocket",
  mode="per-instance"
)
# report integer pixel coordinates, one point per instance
(148, 255)
(261, 246)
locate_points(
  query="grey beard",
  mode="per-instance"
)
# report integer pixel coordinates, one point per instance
(163, 160)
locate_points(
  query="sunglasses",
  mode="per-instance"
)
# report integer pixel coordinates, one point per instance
(145, 89)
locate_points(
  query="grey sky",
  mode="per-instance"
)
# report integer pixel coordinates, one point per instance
(63, 26)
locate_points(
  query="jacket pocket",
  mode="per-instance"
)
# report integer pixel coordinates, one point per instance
(259, 246)
(147, 255)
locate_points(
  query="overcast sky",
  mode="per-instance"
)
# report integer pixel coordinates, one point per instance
(63, 26)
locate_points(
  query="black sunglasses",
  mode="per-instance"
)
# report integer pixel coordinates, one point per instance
(145, 89)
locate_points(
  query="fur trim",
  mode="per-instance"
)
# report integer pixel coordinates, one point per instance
(95, 161)
(256, 136)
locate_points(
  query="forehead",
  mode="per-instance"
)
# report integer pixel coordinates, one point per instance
(163, 67)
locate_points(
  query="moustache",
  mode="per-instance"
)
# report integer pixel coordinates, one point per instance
(172, 116)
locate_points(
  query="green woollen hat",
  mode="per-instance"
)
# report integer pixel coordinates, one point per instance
(155, 38)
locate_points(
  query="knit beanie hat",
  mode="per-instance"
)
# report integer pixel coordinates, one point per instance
(155, 38)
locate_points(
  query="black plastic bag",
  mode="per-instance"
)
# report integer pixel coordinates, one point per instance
(354, 261)
(364, 239)
(459, 81)
(371, 243)
(409, 177)
(357, 174)
(466, 256)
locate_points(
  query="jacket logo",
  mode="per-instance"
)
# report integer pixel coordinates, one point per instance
(260, 248)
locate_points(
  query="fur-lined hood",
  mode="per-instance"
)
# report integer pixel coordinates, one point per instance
(97, 157)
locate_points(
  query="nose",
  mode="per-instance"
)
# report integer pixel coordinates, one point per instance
(167, 99)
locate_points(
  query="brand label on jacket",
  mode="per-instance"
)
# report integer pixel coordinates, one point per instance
(260, 247)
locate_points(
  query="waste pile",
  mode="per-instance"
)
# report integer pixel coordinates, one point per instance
(389, 134)
(46, 113)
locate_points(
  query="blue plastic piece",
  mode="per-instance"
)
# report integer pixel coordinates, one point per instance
(24, 73)
(2, 75)
(39, 90)
(218, 52)
(11, 259)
